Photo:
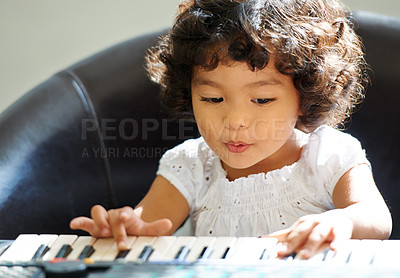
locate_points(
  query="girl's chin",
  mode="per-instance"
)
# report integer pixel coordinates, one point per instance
(237, 165)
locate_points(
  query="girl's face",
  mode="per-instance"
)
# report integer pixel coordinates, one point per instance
(247, 118)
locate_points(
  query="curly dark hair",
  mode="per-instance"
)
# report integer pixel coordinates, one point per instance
(311, 40)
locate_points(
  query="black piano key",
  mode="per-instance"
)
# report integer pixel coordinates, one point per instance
(86, 252)
(290, 257)
(372, 259)
(328, 254)
(64, 251)
(146, 253)
(182, 253)
(205, 253)
(264, 255)
(348, 258)
(43, 248)
(227, 253)
(122, 254)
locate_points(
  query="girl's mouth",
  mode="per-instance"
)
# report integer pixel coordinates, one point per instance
(237, 147)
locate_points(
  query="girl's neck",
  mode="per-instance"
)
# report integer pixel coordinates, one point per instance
(288, 154)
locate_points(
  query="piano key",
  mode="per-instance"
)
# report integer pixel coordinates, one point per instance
(146, 253)
(43, 248)
(58, 244)
(25, 246)
(138, 247)
(364, 254)
(161, 247)
(388, 254)
(87, 251)
(251, 248)
(201, 249)
(343, 253)
(101, 247)
(269, 249)
(205, 253)
(321, 256)
(113, 251)
(182, 254)
(64, 251)
(221, 245)
(122, 254)
(22, 249)
(180, 242)
(47, 240)
(79, 245)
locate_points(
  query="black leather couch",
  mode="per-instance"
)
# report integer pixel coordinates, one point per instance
(94, 132)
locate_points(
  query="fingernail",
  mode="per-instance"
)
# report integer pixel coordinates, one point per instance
(304, 254)
(285, 248)
(104, 232)
(122, 245)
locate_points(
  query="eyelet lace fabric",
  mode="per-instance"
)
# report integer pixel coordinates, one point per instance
(261, 203)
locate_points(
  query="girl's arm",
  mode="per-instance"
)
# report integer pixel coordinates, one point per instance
(161, 212)
(360, 213)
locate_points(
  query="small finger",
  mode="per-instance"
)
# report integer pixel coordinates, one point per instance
(296, 238)
(316, 239)
(118, 228)
(85, 224)
(279, 235)
(100, 218)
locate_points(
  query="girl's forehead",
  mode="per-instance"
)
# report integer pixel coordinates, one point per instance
(241, 75)
(239, 66)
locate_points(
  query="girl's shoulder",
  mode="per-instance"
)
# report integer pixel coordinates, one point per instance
(328, 153)
(326, 142)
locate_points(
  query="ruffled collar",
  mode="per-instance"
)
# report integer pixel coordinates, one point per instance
(281, 173)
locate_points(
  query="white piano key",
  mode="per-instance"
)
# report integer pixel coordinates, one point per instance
(22, 249)
(319, 257)
(161, 247)
(251, 248)
(220, 246)
(101, 247)
(47, 240)
(57, 244)
(26, 245)
(181, 241)
(387, 256)
(79, 245)
(198, 247)
(364, 254)
(138, 246)
(113, 251)
(344, 252)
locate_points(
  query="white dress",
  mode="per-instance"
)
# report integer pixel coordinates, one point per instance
(265, 202)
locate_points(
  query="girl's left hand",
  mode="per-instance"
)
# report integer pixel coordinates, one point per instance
(310, 233)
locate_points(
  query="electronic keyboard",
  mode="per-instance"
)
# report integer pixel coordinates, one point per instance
(51, 255)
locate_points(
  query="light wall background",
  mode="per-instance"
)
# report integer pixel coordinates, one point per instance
(40, 37)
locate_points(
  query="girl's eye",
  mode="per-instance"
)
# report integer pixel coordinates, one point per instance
(262, 100)
(212, 99)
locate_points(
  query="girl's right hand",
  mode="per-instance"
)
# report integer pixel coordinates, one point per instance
(119, 223)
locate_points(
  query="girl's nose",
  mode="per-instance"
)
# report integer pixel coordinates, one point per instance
(236, 119)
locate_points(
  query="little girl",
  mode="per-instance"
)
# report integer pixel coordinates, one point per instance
(267, 82)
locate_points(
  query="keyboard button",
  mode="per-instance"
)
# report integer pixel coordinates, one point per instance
(221, 245)
(161, 247)
(201, 249)
(55, 248)
(138, 247)
(79, 245)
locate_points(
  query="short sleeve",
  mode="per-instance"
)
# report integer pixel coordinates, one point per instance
(180, 166)
(331, 153)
